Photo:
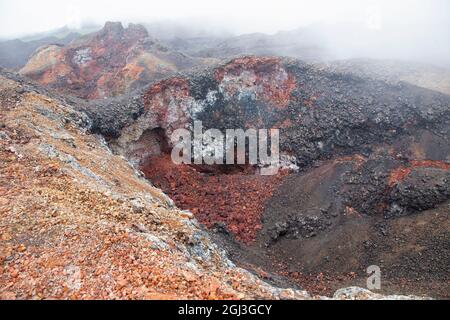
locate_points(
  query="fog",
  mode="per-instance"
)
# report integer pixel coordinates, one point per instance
(401, 29)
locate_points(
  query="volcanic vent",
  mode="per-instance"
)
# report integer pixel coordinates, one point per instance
(364, 178)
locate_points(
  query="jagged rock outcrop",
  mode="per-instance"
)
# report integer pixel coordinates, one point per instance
(322, 113)
(106, 63)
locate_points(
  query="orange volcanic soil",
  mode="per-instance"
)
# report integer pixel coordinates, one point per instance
(236, 199)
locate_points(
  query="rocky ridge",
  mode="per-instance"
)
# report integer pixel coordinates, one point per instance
(106, 63)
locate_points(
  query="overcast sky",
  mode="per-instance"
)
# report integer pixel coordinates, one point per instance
(415, 30)
(18, 17)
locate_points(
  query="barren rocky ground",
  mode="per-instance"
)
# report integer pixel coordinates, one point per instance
(372, 185)
(92, 206)
(78, 222)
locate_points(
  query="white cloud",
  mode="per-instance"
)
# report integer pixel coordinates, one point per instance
(25, 16)
(415, 29)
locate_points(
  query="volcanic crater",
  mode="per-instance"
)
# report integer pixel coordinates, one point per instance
(93, 205)
(364, 177)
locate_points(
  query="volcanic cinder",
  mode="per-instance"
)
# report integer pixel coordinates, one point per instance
(371, 160)
(363, 180)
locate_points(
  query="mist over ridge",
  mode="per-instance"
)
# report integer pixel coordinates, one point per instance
(405, 30)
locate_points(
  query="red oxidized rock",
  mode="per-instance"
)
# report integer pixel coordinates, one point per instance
(106, 63)
(235, 199)
(262, 75)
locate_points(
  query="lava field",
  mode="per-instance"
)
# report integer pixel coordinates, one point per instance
(363, 178)
(367, 169)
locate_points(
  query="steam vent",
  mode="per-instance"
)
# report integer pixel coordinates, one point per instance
(93, 205)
